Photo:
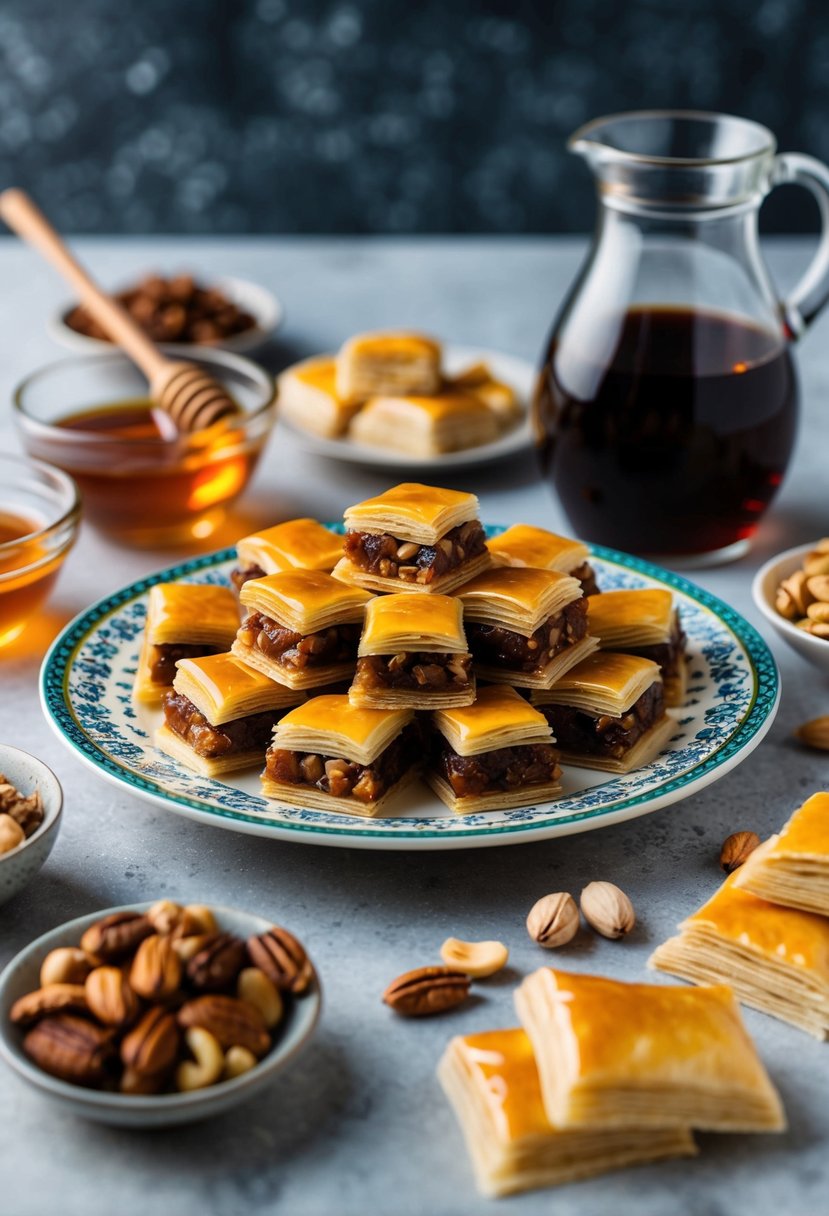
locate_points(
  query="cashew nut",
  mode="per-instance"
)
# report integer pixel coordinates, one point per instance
(238, 1060)
(254, 987)
(207, 1066)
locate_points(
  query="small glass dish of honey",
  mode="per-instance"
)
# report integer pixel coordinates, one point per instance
(142, 481)
(39, 513)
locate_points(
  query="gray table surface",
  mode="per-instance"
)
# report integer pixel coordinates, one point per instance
(358, 1125)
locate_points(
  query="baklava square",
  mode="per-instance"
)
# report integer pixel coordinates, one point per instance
(500, 398)
(302, 628)
(220, 714)
(491, 1081)
(393, 364)
(296, 544)
(525, 627)
(793, 867)
(308, 398)
(524, 545)
(413, 653)
(608, 712)
(613, 1054)
(776, 959)
(184, 620)
(425, 426)
(335, 756)
(498, 753)
(646, 623)
(414, 538)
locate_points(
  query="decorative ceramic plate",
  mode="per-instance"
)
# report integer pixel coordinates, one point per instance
(519, 374)
(733, 692)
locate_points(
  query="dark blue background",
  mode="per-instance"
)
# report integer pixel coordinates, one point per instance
(374, 115)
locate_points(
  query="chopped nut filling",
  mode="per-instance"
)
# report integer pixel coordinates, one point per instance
(423, 670)
(345, 778)
(239, 735)
(295, 650)
(594, 735)
(669, 655)
(241, 574)
(163, 659)
(392, 558)
(500, 647)
(587, 577)
(506, 768)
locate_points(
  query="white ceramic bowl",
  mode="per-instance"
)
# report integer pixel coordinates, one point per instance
(19, 867)
(258, 301)
(814, 650)
(157, 1110)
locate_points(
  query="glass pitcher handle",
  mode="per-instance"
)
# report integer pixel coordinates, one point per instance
(810, 294)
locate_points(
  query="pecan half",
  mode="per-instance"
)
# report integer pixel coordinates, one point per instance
(156, 969)
(53, 998)
(283, 959)
(151, 1047)
(218, 963)
(72, 1049)
(427, 990)
(116, 935)
(233, 1023)
(110, 997)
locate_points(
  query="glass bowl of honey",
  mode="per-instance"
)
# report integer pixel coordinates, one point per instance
(142, 481)
(39, 513)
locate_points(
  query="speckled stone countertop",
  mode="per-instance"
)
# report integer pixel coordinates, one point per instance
(358, 1125)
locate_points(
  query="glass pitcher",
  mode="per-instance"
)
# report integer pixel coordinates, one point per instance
(666, 407)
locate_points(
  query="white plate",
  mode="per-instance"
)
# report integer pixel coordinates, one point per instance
(262, 304)
(733, 692)
(519, 374)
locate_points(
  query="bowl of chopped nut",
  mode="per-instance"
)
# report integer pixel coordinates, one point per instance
(792, 592)
(31, 801)
(158, 1014)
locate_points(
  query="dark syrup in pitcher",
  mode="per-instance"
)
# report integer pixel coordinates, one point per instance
(676, 443)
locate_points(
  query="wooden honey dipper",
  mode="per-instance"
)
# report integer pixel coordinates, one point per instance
(191, 397)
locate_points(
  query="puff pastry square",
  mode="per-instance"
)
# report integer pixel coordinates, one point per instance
(335, 756)
(413, 652)
(793, 867)
(413, 537)
(302, 628)
(184, 620)
(491, 1081)
(523, 545)
(644, 622)
(308, 398)
(608, 712)
(526, 627)
(388, 364)
(612, 1054)
(499, 397)
(495, 754)
(297, 544)
(425, 426)
(776, 959)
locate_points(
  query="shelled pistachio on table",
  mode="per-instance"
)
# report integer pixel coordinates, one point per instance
(20, 815)
(155, 1002)
(803, 597)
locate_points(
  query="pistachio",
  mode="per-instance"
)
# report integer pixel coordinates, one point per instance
(427, 990)
(815, 733)
(65, 965)
(476, 959)
(607, 909)
(553, 920)
(736, 849)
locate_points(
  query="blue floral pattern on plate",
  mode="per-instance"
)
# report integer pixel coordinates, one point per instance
(733, 691)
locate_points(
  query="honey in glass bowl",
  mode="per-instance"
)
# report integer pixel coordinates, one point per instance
(141, 480)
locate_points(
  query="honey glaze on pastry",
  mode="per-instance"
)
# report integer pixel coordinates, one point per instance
(644, 622)
(308, 397)
(394, 362)
(523, 545)
(425, 426)
(793, 867)
(301, 544)
(184, 620)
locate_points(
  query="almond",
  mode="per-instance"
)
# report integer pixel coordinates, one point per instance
(110, 997)
(815, 733)
(156, 969)
(736, 849)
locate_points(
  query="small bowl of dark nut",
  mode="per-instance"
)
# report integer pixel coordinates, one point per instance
(792, 592)
(157, 1014)
(31, 801)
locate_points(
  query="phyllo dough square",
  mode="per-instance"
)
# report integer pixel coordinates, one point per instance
(335, 756)
(220, 714)
(425, 426)
(793, 867)
(413, 652)
(525, 627)
(499, 397)
(184, 620)
(296, 544)
(388, 364)
(524, 545)
(302, 627)
(495, 754)
(644, 622)
(608, 712)
(413, 537)
(309, 399)
(612, 1054)
(776, 959)
(491, 1081)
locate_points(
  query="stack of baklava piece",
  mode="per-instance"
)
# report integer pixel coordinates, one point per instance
(412, 645)
(603, 1074)
(766, 931)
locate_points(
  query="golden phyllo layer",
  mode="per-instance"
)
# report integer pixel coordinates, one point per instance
(332, 726)
(394, 362)
(413, 512)
(603, 683)
(198, 614)
(408, 621)
(301, 544)
(793, 867)
(305, 601)
(223, 688)
(425, 426)
(517, 599)
(499, 718)
(631, 619)
(523, 545)
(308, 397)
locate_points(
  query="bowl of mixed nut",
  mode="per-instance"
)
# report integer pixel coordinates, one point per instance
(157, 1014)
(31, 801)
(792, 592)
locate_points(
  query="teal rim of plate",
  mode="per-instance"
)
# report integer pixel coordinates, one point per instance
(54, 677)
